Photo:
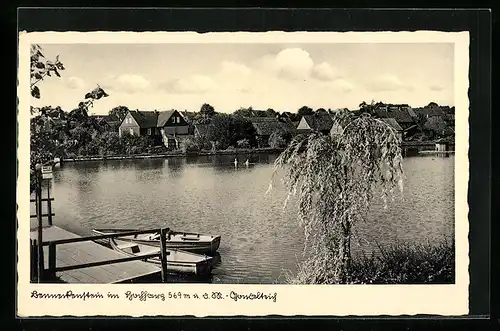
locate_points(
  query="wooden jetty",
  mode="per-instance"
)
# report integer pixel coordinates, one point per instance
(58, 255)
(74, 259)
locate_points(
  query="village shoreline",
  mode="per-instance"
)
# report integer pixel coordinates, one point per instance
(407, 146)
(173, 154)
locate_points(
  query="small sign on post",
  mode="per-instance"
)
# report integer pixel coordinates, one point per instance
(47, 172)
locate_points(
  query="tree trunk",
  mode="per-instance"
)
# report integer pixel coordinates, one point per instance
(340, 252)
(346, 242)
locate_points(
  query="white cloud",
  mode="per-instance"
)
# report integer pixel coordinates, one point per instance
(234, 77)
(324, 71)
(74, 82)
(342, 85)
(194, 84)
(388, 82)
(293, 63)
(234, 68)
(128, 83)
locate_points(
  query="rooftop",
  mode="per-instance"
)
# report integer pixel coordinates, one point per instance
(151, 119)
(265, 126)
(401, 116)
(392, 122)
(319, 121)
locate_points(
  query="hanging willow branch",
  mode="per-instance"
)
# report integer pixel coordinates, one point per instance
(335, 179)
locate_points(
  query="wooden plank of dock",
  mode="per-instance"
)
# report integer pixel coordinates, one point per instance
(89, 251)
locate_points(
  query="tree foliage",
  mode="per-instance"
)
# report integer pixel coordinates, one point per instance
(189, 145)
(335, 178)
(40, 68)
(118, 113)
(368, 107)
(250, 112)
(226, 130)
(279, 139)
(305, 110)
(207, 110)
(55, 133)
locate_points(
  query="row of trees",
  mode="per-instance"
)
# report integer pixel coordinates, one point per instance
(207, 111)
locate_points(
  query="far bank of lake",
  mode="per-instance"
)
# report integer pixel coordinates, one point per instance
(410, 148)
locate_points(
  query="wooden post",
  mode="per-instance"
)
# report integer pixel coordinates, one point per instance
(33, 260)
(51, 274)
(49, 204)
(163, 253)
(38, 198)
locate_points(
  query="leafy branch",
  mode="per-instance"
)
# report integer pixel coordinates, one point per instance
(41, 68)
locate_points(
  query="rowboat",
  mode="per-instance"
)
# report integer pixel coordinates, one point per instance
(186, 241)
(178, 261)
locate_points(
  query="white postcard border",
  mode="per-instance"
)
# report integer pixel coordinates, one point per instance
(314, 300)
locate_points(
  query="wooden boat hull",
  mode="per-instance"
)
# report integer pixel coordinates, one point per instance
(200, 248)
(177, 261)
(190, 242)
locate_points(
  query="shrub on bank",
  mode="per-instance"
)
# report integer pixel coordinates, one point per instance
(189, 145)
(398, 264)
(243, 143)
(407, 264)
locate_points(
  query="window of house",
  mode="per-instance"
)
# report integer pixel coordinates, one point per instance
(149, 131)
(178, 119)
(131, 130)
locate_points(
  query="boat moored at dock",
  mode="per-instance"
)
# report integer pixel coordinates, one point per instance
(186, 241)
(178, 261)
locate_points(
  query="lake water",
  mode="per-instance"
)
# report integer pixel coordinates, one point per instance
(208, 194)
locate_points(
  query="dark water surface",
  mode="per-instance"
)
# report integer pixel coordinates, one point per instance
(209, 195)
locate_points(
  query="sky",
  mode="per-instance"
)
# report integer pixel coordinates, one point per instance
(284, 77)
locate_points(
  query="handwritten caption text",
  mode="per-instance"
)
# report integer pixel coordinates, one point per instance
(162, 296)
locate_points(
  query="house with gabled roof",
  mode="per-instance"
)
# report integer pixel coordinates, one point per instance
(394, 124)
(317, 122)
(402, 117)
(170, 125)
(428, 112)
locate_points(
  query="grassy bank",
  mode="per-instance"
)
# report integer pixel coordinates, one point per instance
(407, 264)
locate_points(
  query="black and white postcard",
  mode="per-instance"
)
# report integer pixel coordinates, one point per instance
(254, 174)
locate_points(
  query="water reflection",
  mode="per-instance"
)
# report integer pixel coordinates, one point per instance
(207, 194)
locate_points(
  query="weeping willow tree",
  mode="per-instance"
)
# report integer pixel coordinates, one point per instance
(335, 179)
